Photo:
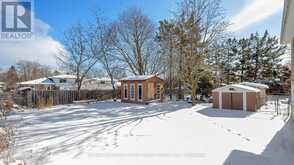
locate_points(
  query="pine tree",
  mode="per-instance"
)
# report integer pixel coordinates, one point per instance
(11, 78)
(167, 41)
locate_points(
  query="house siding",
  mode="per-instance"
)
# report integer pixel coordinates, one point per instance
(215, 97)
(251, 102)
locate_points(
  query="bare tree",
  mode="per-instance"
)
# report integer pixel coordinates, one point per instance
(100, 45)
(29, 70)
(133, 40)
(77, 56)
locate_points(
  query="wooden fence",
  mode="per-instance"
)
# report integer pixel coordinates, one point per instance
(5, 96)
(41, 99)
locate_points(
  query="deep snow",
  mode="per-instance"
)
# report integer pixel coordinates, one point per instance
(168, 133)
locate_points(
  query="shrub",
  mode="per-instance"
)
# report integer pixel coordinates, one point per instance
(40, 103)
(49, 102)
(5, 107)
(6, 135)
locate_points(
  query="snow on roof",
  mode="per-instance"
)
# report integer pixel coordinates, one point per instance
(99, 79)
(255, 85)
(64, 76)
(24, 88)
(43, 81)
(140, 77)
(238, 86)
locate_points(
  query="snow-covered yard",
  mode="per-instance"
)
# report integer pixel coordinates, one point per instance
(168, 133)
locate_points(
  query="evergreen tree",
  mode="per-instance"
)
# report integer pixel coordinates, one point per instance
(11, 78)
(230, 60)
(166, 37)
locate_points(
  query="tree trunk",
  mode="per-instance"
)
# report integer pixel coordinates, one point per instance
(193, 95)
(170, 70)
(180, 91)
(79, 90)
(113, 89)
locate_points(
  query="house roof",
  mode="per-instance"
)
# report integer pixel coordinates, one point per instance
(99, 79)
(235, 87)
(40, 81)
(25, 88)
(255, 85)
(287, 32)
(64, 76)
(138, 78)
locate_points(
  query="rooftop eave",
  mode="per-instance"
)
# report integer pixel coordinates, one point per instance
(287, 32)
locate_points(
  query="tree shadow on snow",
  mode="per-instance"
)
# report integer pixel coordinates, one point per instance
(79, 127)
(280, 150)
(211, 112)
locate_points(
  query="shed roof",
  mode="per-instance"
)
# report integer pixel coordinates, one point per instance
(139, 78)
(255, 85)
(237, 87)
(99, 79)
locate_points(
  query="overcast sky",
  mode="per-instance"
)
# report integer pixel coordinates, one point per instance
(53, 17)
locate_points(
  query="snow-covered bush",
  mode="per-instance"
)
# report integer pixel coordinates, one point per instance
(6, 144)
(6, 132)
(4, 141)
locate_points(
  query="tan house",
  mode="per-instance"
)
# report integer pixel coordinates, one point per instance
(287, 37)
(237, 97)
(142, 89)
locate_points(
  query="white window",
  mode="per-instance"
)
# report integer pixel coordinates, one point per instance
(132, 91)
(158, 92)
(126, 91)
(140, 92)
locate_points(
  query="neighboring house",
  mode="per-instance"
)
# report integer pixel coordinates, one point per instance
(2, 86)
(142, 89)
(38, 84)
(287, 37)
(65, 82)
(99, 84)
(237, 97)
(60, 82)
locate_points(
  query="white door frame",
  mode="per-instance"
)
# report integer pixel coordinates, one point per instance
(220, 100)
(245, 101)
(140, 84)
(134, 96)
(156, 90)
(124, 93)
